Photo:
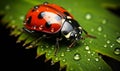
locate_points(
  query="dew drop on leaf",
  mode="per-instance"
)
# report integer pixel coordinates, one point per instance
(89, 52)
(118, 39)
(105, 35)
(47, 46)
(108, 41)
(105, 45)
(88, 16)
(92, 30)
(77, 57)
(68, 49)
(71, 69)
(62, 54)
(87, 48)
(56, 58)
(64, 60)
(96, 59)
(88, 59)
(99, 67)
(21, 17)
(104, 21)
(99, 28)
(112, 45)
(117, 51)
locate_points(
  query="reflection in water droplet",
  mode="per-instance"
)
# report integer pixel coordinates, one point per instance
(96, 59)
(88, 16)
(87, 48)
(62, 54)
(76, 57)
(117, 51)
(105, 45)
(108, 41)
(118, 39)
(7, 7)
(104, 21)
(99, 28)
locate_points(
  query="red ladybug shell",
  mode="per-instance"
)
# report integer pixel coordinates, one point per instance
(46, 18)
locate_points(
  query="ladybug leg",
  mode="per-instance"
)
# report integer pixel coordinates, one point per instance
(57, 45)
(35, 42)
(87, 35)
(72, 43)
(29, 31)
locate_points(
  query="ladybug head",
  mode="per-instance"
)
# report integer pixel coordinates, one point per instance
(71, 29)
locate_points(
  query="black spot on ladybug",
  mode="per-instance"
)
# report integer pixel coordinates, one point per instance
(66, 13)
(47, 25)
(40, 16)
(35, 8)
(29, 20)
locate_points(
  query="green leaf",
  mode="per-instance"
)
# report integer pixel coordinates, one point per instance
(92, 15)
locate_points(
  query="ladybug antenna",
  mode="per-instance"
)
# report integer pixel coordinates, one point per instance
(45, 3)
(87, 35)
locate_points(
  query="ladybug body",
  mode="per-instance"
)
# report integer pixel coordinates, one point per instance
(52, 19)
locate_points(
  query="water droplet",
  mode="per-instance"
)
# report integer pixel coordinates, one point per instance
(105, 35)
(88, 16)
(99, 67)
(90, 41)
(41, 46)
(99, 28)
(112, 45)
(77, 56)
(118, 39)
(96, 59)
(92, 30)
(89, 52)
(47, 46)
(48, 54)
(64, 60)
(105, 45)
(21, 17)
(71, 69)
(88, 59)
(56, 58)
(108, 41)
(87, 48)
(104, 21)
(62, 54)
(117, 51)
(7, 7)
(68, 49)
(42, 49)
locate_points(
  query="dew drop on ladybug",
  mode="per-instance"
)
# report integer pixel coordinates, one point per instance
(54, 21)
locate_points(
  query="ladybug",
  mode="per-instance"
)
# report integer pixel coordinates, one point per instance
(53, 21)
